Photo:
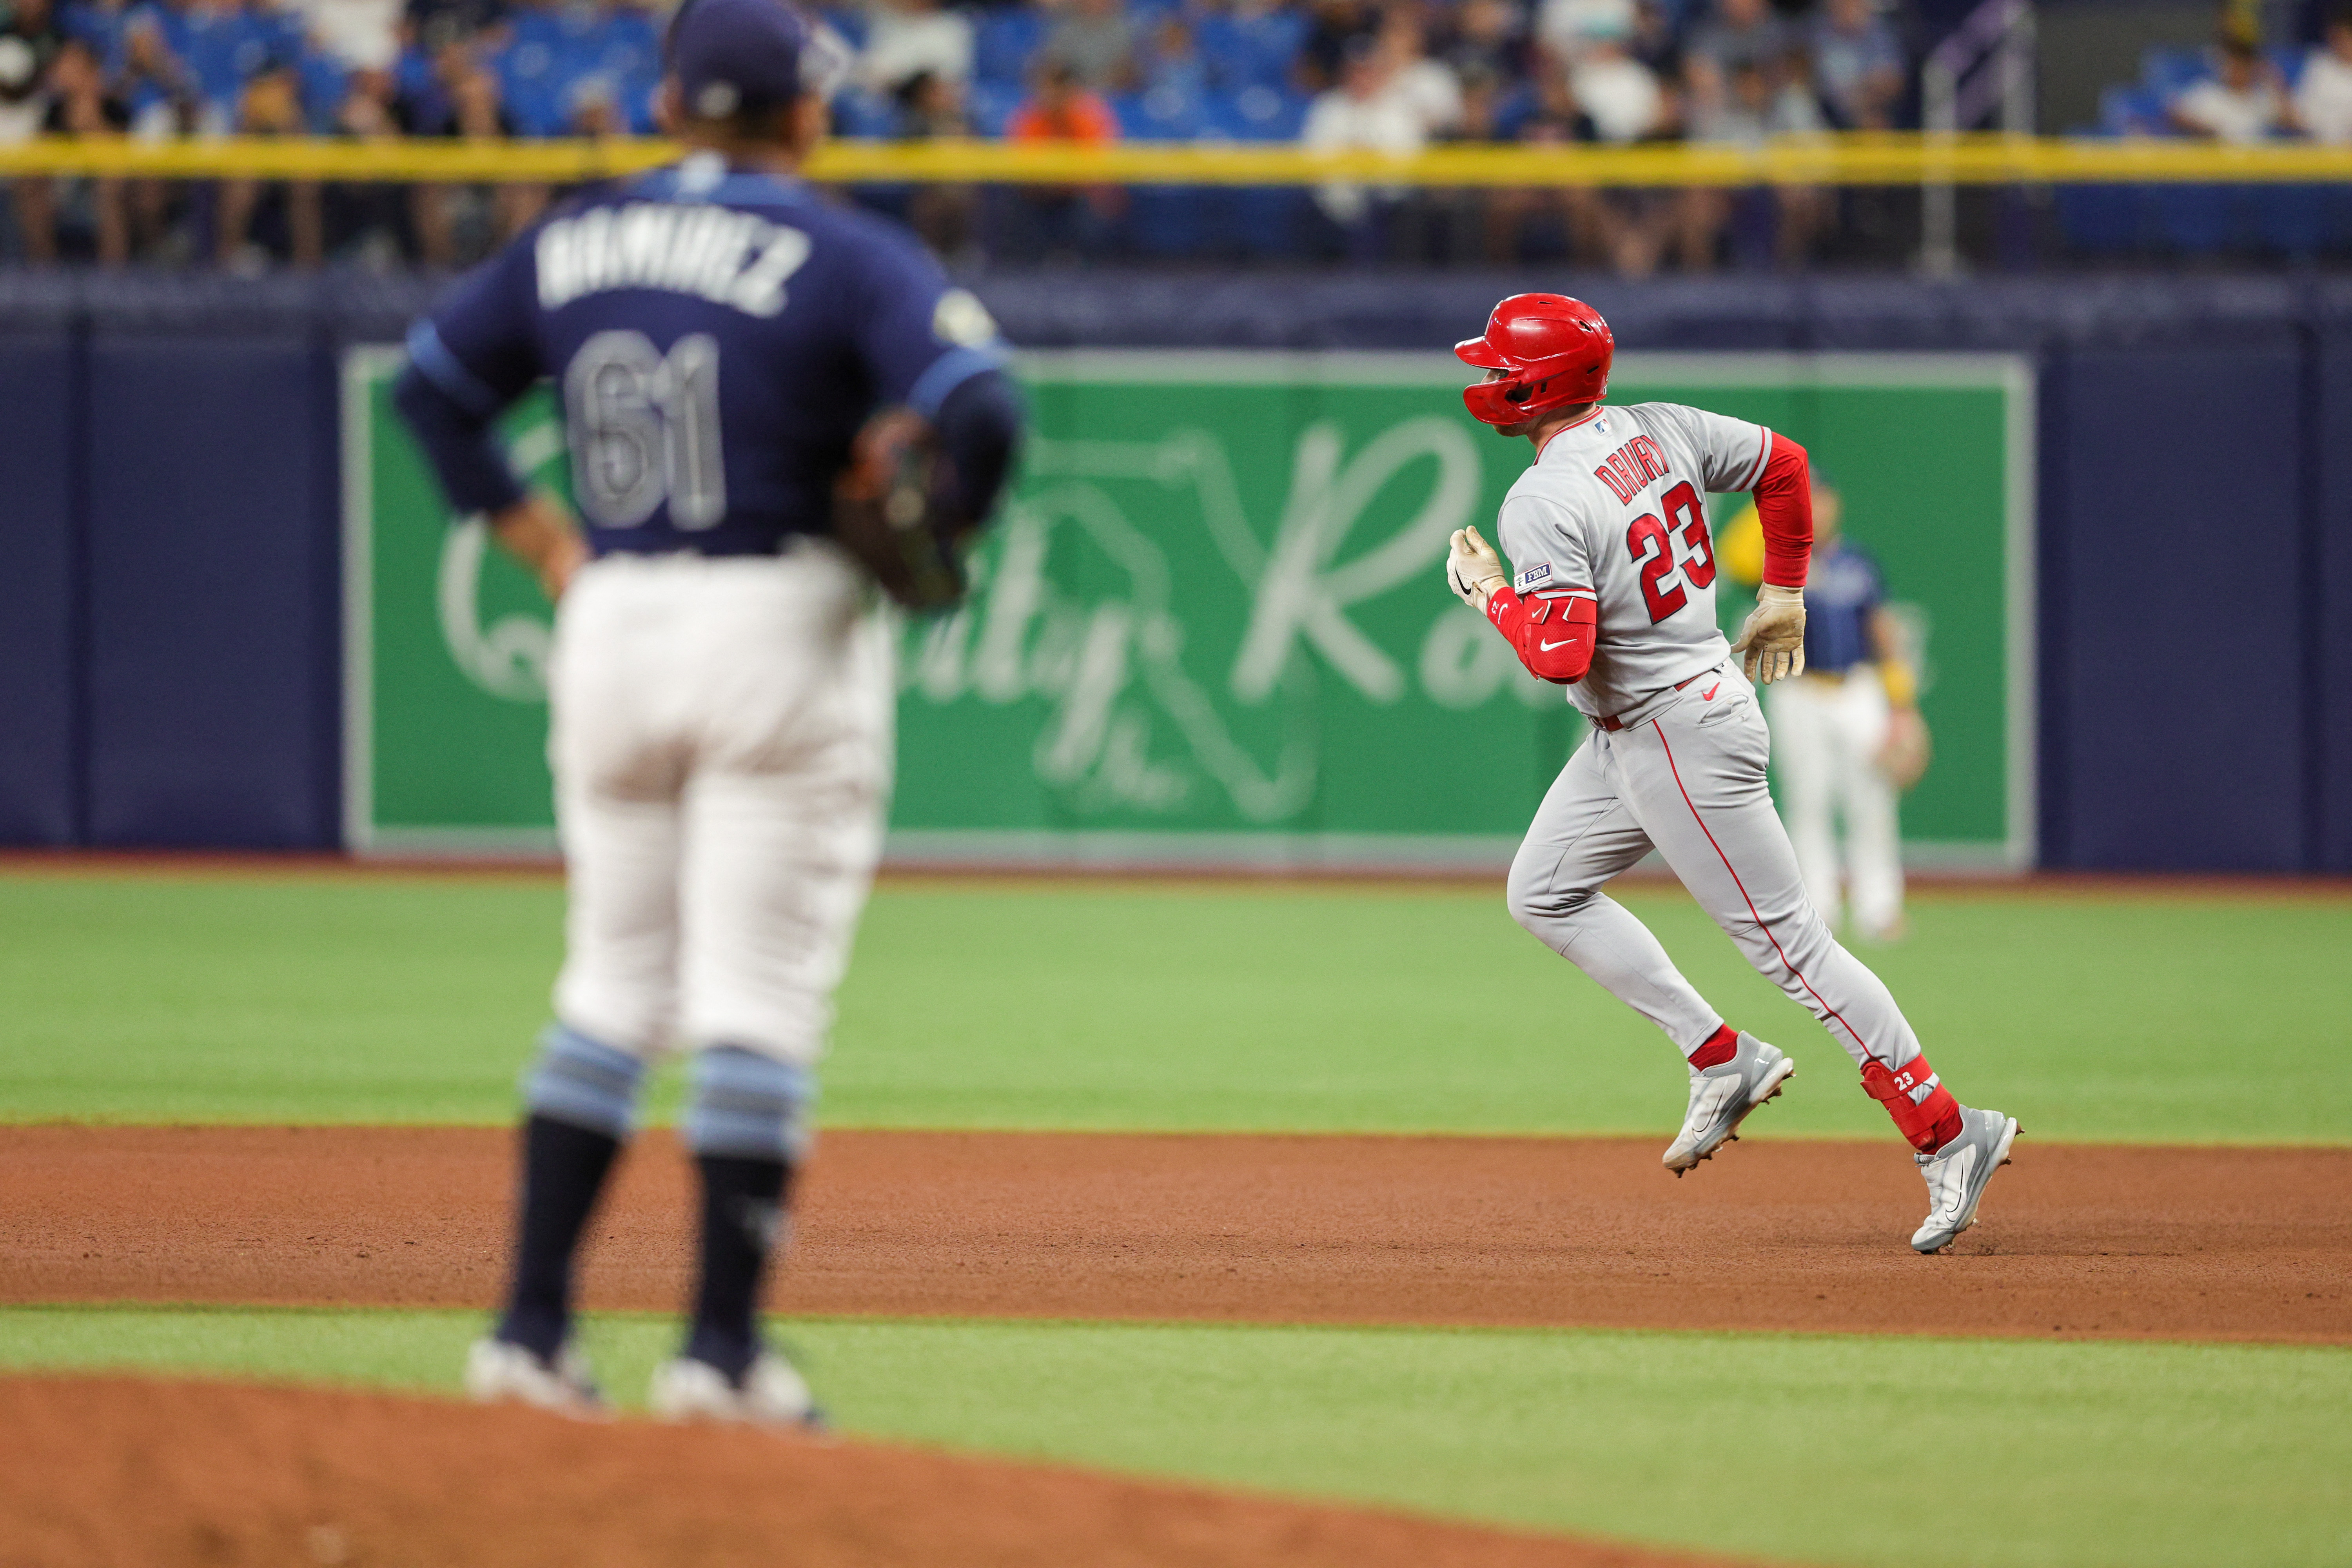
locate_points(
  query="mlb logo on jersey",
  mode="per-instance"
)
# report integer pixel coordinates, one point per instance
(1532, 577)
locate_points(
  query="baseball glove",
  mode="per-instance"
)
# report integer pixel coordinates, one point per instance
(887, 512)
(1902, 758)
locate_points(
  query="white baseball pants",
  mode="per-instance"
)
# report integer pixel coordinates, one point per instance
(721, 744)
(1690, 782)
(1827, 735)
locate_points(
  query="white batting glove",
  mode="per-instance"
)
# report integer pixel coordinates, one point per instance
(1473, 570)
(1772, 643)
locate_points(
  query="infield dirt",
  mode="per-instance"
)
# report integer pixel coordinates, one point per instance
(2076, 1240)
(122, 1473)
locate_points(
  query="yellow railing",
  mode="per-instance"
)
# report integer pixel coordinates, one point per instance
(1856, 160)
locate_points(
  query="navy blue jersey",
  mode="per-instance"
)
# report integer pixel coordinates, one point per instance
(1842, 596)
(717, 338)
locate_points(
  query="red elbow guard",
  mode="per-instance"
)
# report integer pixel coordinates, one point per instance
(1784, 505)
(1923, 1110)
(1551, 634)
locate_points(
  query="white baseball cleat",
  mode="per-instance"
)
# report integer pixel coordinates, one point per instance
(772, 1393)
(1957, 1172)
(1721, 1098)
(497, 1373)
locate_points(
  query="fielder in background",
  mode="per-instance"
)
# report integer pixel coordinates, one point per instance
(1847, 737)
(771, 401)
(1614, 599)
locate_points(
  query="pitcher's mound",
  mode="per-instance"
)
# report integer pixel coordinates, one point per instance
(102, 1471)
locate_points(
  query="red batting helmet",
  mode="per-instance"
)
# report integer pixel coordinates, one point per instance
(1555, 350)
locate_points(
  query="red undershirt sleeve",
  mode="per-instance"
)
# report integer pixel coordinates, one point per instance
(1784, 504)
(1551, 633)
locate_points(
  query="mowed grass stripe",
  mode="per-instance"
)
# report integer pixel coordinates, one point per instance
(154, 997)
(1846, 1449)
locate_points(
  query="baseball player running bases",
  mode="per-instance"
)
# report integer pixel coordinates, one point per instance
(1613, 599)
(769, 399)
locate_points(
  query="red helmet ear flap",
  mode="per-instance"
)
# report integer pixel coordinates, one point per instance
(1490, 402)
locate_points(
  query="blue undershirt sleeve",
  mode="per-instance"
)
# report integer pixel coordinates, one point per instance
(979, 424)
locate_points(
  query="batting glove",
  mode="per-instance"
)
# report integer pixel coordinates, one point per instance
(1772, 643)
(1473, 570)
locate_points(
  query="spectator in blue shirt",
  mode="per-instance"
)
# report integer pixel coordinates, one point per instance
(1858, 65)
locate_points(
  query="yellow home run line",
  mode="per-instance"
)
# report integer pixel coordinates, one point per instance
(1892, 159)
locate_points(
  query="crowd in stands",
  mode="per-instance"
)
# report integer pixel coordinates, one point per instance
(1392, 75)
(2243, 93)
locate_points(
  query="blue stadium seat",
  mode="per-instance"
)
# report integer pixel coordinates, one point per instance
(324, 82)
(223, 50)
(1164, 114)
(990, 104)
(1002, 43)
(2131, 111)
(849, 21)
(2166, 71)
(858, 112)
(528, 85)
(1256, 113)
(1256, 51)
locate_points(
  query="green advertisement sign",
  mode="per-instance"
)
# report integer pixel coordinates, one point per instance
(1211, 627)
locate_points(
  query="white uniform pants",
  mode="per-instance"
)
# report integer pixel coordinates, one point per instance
(721, 744)
(1827, 735)
(1690, 783)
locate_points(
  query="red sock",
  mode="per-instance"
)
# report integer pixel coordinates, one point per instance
(1720, 1047)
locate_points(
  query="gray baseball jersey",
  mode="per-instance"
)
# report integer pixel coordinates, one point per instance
(1615, 507)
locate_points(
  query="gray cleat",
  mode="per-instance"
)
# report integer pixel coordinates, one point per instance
(1957, 1175)
(1721, 1098)
(772, 1393)
(497, 1373)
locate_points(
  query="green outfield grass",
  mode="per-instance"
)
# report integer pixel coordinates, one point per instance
(1826, 1449)
(303, 997)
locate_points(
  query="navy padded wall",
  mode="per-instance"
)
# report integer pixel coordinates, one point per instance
(2333, 704)
(212, 612)
(37, 599)
(2181, 656)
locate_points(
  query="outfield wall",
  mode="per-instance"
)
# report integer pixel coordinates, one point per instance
(172, 620)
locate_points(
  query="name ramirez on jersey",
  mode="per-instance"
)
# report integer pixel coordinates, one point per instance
(714, 253)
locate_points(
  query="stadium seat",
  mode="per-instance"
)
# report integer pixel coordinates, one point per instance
(1002, 43)
(849, 21)
(324, 83)
(1251, 52)
(858, 112)
(2131, 111)
(1256, 114)
(1164, 114)
(2166, 71)
(989, 104)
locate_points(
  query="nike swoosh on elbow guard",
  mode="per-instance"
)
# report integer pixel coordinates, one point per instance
(1547, 646)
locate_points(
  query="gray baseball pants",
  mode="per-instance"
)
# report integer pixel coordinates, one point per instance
(1689, 780)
